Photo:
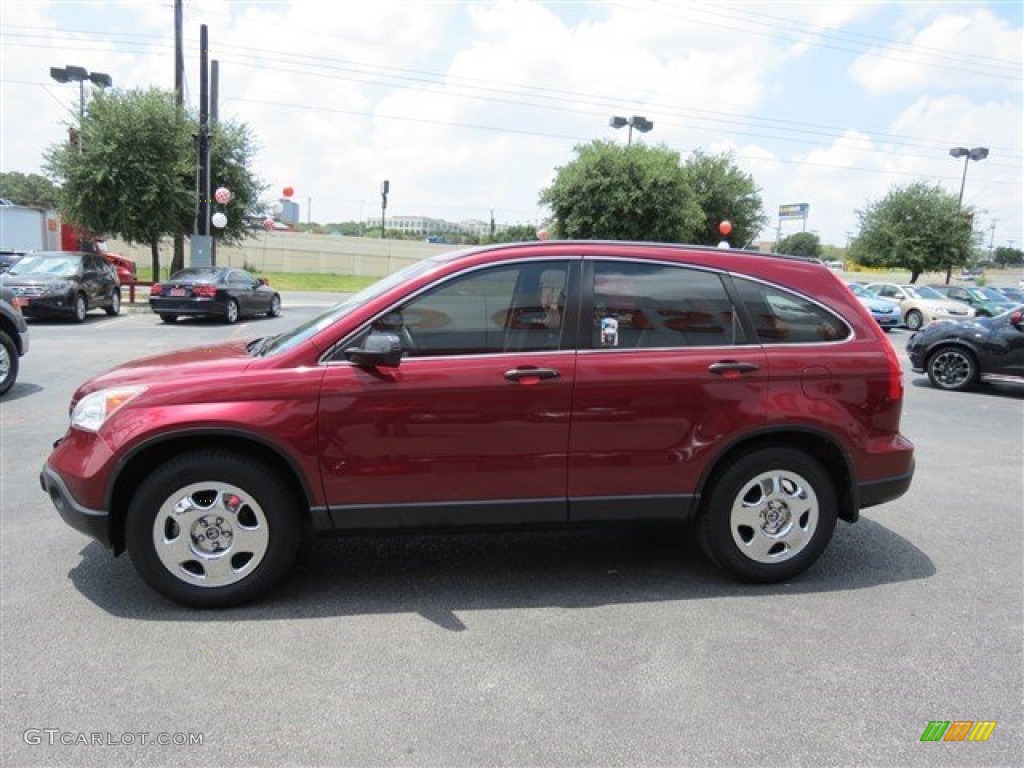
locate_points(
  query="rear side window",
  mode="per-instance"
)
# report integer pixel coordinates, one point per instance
(780, 317)
(643, 306)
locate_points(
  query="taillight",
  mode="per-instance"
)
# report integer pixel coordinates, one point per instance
(156, 290)
(205, 291)
(895, 390)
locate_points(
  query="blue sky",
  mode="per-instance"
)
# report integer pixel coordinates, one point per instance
(466, 107)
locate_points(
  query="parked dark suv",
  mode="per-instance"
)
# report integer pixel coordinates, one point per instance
(552, 383)
(63, 284)
(13, 338)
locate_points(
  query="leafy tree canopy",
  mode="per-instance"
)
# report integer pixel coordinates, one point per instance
(918, 228)
(800, 244)
(133, 175)
(724, 193)
(1008, 257)
(28, 189)
(612, 192)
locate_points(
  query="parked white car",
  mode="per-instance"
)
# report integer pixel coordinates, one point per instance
(920, 304)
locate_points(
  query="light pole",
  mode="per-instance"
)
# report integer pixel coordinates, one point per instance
(976, 153)
(73, 74)
(642, 124)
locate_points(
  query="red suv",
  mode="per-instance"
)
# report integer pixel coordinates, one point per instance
(546, 383)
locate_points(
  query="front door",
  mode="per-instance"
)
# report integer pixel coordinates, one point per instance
(473, 426)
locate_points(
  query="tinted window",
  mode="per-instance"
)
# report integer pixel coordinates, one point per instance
(653, 305)
(500, 309)
(780, 317)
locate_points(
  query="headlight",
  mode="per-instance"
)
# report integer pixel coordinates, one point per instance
(61, 286)
(94, 409)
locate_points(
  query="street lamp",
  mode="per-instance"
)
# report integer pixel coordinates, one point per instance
(642, 124)
(977, 153)
(73, 74)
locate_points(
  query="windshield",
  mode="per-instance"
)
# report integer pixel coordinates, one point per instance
(196, 275)
(993, 295)
(311, 327)
(923, 292)
(860, 290)
(59, 266)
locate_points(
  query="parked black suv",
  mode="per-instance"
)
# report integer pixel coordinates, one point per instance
(63, 283)
(13, 338)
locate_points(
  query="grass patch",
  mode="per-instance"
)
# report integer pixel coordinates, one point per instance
(299, 281)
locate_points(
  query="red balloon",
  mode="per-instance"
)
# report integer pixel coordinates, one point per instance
(288, 191)
(725, 227)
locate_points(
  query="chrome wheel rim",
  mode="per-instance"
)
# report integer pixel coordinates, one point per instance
(80, 309)
(5, 363)
(774, 516)
(914, 320)
(951, 369)
(232, 311)
(115, 302)
(211, 534)
(275, 306)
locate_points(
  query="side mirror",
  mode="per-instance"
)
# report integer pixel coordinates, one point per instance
(379, 350)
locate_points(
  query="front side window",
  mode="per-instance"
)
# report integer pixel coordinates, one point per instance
(780, 317)
(518, 308)
(643, 306)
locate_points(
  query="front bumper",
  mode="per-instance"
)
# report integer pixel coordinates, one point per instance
(91, 522)
(47, 306)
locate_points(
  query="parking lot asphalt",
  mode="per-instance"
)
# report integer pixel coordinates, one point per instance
(578, 648)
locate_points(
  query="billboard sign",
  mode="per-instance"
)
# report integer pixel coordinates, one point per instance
(794, 211)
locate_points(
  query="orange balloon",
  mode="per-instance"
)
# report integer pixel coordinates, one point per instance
(288, 191)
(725, 227)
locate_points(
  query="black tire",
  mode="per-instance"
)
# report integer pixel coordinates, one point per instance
(115, 304)
(952, 368)
(81, 308)
(213, 529)
(275, 306)
(914, 320)
(769, 515)
(8, 363)
(169, 318)
(231, 313)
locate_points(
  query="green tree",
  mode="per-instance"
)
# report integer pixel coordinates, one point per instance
(611, 192)
(134, 175)
(28, 189)
(1008, 257)
(918, 228)
(800, 244)
(724, 193)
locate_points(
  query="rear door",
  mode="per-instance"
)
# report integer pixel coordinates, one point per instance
(666, 377)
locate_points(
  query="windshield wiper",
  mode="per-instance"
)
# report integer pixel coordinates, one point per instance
(256, 347)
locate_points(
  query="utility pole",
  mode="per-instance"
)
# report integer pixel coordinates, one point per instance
(178, 257)
(201, 245)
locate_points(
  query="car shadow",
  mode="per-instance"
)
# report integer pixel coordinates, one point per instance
(442, 577)
(21, 389)
(1001, 389)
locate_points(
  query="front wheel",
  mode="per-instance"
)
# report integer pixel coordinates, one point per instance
(169, 318)
(769, 515)
(8, 363)
(79, 308)
(952, 368)
(115, 304)
(275, 306)
(914, 320)
(231, 312)
(213, 529)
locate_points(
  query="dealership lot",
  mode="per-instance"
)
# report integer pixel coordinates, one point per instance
(575, 648)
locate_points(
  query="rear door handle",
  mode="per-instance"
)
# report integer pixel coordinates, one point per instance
(730, 369)
(531, 375)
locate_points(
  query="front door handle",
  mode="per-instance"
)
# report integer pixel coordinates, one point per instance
(531, 375)
(730, 369)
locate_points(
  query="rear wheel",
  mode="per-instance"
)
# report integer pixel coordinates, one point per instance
(169, 318)
(213, 529)
(115, 304)
(952, 368)
(769, 515)
(914, 320)
(8, 363)
(231, 312)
